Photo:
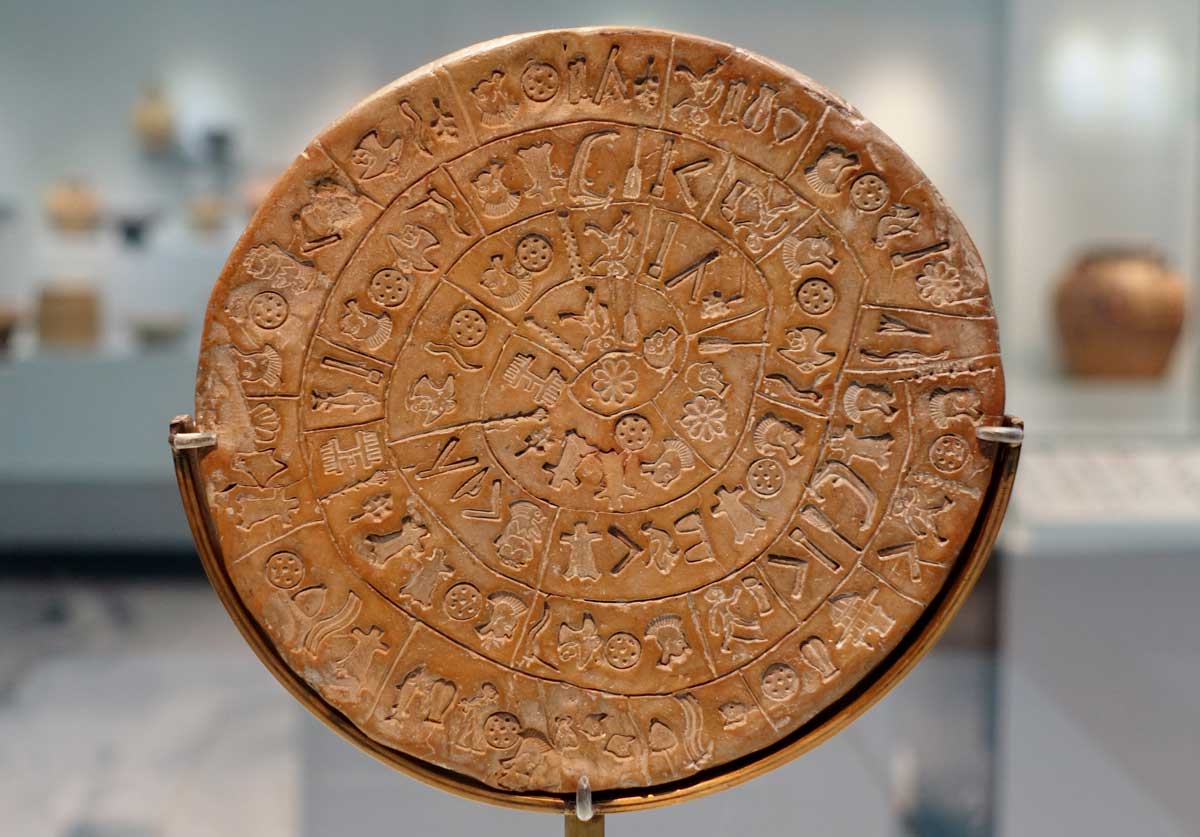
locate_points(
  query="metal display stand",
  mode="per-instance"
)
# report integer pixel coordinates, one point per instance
(584, 813)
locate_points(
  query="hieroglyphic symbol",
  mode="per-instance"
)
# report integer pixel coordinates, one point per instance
(534, 764)
(498, 199)
(471, 487)
(907, 555)
(474, 711)
(252, 506)
(703, 92)
(262, 466)
(445, 207)
(539, 81)
(942, 284)
(755, 114)
(658, 347)
(355, 665)
(646, 86)
(548, 179)
(735, 615)
(662, 553)
(404, 542)
(424, 579)
(350, 398)
(364, 453)
(307, 620)
(675, 458)
(661, 740)
(798, 253)
(522, 534)
(431, 401)
(264, 366)
(266, 423)
(376, 508)
(544, 390)
(330, 213)
(579, 185)
(773, 435)
(468, 328)
(761, 213)
(898, 220)
(422, 697)
(900, 259)
(614, 380)
(945, 405)
(949, 453)
(859, 617)
(565, 472)
(581, 561)
(892, 324)
(284, 570)
(697, 746)
(580, 644)
(616, 242)
(733, 714)
(743, 519)
(820, 521)
(374, 159)
(848, 446)
(869, 404)
(814, 653)
(780, 682)
(633, 549)
(268, 310)
(622, 650)
(816, 296)
(805, 349)
(692, 524)
(869, 192)
(496, 105)
(783, 388)
(351, 367)
(704, 418)
(463, 601)
(505, 610)
(666, 630)
(841, 475)
(797, 567)
(765, 477)
(372, 329)
(410, 247)
(827, 175)
(614, 489)
(706, 377)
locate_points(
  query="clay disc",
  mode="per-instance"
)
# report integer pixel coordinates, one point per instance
(595, 402)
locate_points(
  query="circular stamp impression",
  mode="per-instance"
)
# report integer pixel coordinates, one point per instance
(601, 403)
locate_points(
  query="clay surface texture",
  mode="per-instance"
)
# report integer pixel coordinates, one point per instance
(596, 402)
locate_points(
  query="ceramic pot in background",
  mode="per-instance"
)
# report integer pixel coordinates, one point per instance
(69, 315)
(9, 318)
(1120, 312)
(73, 206)
(153, 120)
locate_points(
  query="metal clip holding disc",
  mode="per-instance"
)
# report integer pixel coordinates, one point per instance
(1006, 434)
(581, 819)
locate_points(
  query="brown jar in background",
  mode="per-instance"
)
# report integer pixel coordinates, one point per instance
(1119, 312)
(68, 315)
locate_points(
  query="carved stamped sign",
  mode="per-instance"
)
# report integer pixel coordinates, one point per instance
(596, 402)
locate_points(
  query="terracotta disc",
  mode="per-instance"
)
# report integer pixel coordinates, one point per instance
(596, 402)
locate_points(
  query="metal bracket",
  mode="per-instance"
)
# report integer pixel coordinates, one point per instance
(182, 437)
(581, 819)
(1005, 456)
(1010, 433)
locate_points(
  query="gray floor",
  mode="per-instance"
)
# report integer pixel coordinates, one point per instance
(135, 709)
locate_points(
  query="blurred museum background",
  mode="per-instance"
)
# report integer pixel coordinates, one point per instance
(135, 138)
